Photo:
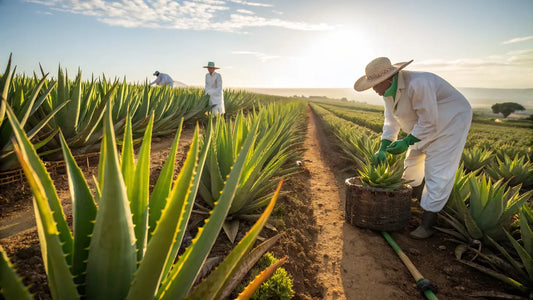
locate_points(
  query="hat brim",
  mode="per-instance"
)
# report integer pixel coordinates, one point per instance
(211, 67)
(364, 83)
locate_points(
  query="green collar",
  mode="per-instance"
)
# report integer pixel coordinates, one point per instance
(391, 91)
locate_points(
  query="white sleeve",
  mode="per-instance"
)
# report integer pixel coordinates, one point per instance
(219, 84)
(424, 101)
(156, 81)
(391, 127)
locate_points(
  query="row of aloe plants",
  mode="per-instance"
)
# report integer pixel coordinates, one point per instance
(483, 213)
(359, 145)
(515, 170)
(44, 105)
(282, 132)
(124, 241)
(511, 162)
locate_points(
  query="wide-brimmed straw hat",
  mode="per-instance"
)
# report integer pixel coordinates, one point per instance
(377, 71)
(211, 65)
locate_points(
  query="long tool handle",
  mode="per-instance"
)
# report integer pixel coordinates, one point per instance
(407, 262)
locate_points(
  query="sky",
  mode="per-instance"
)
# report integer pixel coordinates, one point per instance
(271, 43)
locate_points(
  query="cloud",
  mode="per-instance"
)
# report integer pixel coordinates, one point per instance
(261, 56)
(509, 70)
(215, 15)
(244, 2)
(519, 59)
(245, 11)
(517, 40)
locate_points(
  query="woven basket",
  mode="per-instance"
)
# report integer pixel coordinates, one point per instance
(375, 208)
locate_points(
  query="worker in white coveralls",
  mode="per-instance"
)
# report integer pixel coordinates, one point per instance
(162, 79)
(213, 87)
(436, 118)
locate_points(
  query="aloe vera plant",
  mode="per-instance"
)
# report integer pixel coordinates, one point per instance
(275, 146)
(512, 262)
(476, 158)
(106, 256)
(386, 175)
(492, 205)
(517, 170)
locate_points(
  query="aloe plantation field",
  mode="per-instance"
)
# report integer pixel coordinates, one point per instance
(113, 190)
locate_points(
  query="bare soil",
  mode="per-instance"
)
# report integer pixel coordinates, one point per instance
(328, 258)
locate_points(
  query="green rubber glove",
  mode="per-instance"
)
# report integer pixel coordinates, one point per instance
(381, 155)
(401, 146)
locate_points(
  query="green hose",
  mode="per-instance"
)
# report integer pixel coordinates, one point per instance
(423, 284)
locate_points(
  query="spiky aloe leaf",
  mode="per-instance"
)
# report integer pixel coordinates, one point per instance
(112, 254)
(527, 258)
(139, 193)
(11, 283)
(6, 81)
(506, 279)
(187, 209)
(39, 170)
(186, 269)
(163, 185)
(212, 285)
(84, 214)
(525, 230)
(127, 160)
(246, 265)
(60, 279)
(249, 290)
(145, 285)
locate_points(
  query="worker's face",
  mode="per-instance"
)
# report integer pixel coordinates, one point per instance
(383, 86)
(211, 70)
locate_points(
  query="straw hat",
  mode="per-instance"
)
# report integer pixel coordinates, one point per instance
(377, 71)
(211, 65)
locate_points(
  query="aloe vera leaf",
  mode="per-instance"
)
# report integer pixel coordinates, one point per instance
(507, 280)
(186, 269)
(211, 287)
(151, 269)
(163, 185)
(112, 254)
(187, 209)
(6, 80)
(127, 161)
(40, 171)
(60, 280)
(11, 283)
(139, 193)
(83, 211)
(249, 290)
(526, 257)
(525, 231)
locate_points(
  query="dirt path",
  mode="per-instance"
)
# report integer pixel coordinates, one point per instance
(349, 270)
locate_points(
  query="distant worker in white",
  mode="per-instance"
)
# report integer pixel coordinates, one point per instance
(213, 87)
(436, 118)
(162, 79)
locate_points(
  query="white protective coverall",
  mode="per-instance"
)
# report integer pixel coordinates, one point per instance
(432, 110)
(213, 87)
(163, 79)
